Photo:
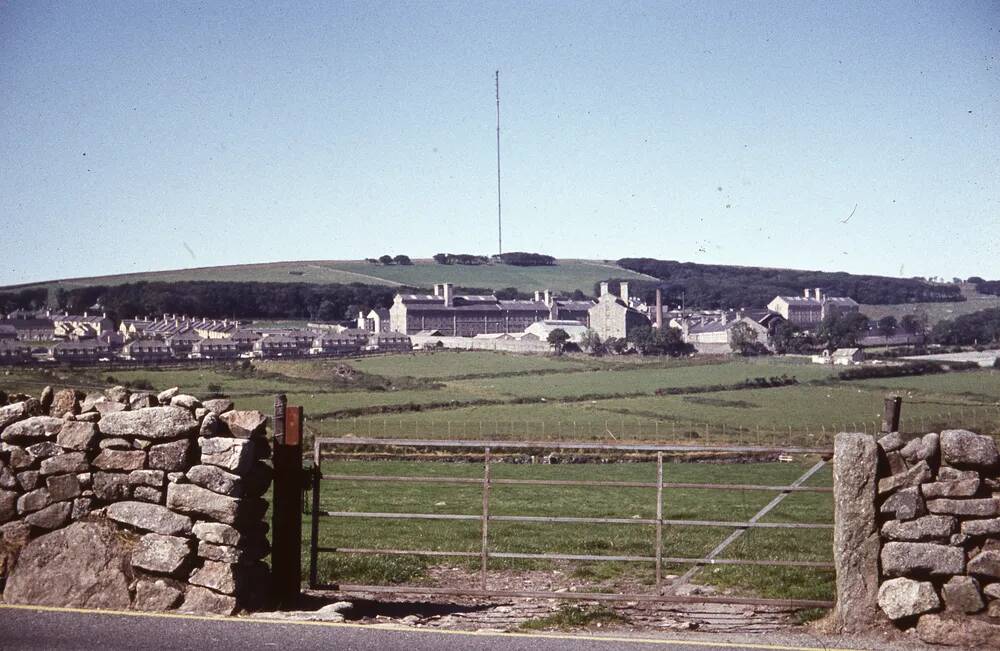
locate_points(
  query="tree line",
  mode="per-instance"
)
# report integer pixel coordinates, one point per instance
(720, 286)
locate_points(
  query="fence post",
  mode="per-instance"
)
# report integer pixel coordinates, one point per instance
(890, 417)
(485, 553)
(286, 517)
(659, 523)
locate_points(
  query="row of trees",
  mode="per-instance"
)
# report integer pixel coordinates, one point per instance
(979, 328)
(645, 340)
(719, 286)
(460, 258)
(390, 259)
(219, 300)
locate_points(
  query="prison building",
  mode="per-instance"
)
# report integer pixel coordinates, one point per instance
(376, 320)
(612, 316)
(811, 308)
(462, 315)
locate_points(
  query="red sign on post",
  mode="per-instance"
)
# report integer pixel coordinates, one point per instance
(293, 425)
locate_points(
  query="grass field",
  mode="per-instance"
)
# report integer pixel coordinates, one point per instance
(597, 539)
(566, 276)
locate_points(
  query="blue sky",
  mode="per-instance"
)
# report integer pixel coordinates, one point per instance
(141, 135)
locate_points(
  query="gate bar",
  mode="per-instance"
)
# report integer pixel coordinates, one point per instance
(557, 445)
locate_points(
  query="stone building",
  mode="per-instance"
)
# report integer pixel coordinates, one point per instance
(462, 315)
(216, 348)
(811, 308)
(147, 350)
(612, 316)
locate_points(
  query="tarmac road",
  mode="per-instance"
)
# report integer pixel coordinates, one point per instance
(64, 629)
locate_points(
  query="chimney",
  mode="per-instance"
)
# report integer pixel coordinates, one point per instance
(659, 308)
(623, 292)
(437, 289)
(538, 296)
(604, 288)
(819, 294)
(806, 292)
(548, 297)
(446, 289)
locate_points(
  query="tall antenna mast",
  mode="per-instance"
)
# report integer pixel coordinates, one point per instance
(499, 220)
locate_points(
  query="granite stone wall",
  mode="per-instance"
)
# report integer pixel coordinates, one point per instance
(921, 519)
(133, 500)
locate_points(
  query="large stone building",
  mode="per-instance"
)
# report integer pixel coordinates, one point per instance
(612, 316)
(462, 315)
(811, 308)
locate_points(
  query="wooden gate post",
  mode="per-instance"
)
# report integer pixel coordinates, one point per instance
(890, 418)
(286, 514)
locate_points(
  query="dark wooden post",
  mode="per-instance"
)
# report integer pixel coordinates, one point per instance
(890, 417)
(286, 514)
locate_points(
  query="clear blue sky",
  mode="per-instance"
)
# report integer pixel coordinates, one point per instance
(140, 135)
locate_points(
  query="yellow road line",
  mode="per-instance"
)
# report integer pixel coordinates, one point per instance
(409, 629)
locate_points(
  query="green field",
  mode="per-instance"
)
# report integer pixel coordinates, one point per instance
(682, 541)
(936, 311)
(566, 276)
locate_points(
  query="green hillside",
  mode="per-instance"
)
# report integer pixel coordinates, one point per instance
(566, 276)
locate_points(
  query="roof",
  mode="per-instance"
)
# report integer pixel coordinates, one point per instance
(846, 352)
(382, 312)
(524, 306)
(84, 344)
(711, 326)
(391, 335)
(187, 335)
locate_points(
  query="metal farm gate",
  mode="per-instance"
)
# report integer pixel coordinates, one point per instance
(485, 452)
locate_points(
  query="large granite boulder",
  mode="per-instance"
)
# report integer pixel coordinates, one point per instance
(244, 424)
(84, 565)
(31, 430)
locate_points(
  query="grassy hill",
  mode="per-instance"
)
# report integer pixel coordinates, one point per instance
(566, 276)
(974, 302)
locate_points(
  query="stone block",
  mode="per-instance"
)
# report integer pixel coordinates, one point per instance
(65, 401)
(977, 508)
(111, 486)
(63, 487)
(164, 397)
(149, 517)
(186, 401)
(961, 594)
(966, 632)
(906, 504)
(142, 400)
(220, 577)
(925, 448)
(33, 501)
(81, 507)
(154, 423)
(963, 488)
(108, 406)
(966, 449)
(32, 430)
(171, 457)
(68, 462)
(245, 424)
(28, 480)
(990, 527)
(8, 480)
(925, 529)
(217, 533)
(919, 559)
(115, 444)
(900, 598)
(915, 476)
(235, 455)
(76, 435)
(218, 406)
(947, 473)
(12, 413)
(44, 450)
(120, 460)
(51, 517)
(158, 595)
(195, 500)
(148, 494)
(151, 478)
(203, 600)
(986, 564)
(219, 553)
(210, 426)
(891, 442)
(118, 394)
(8, 506)
(161, 554)
(216, 480)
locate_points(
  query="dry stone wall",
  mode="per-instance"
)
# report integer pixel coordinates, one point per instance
(133, 500)
(930, 506)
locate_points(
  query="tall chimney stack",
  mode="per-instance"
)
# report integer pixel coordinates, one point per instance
(446, 290)
(623, 292)
(604, 288)
(437, 289)
(819, 294)
(806, 292)
(538, 296)
(659, 308)
(547, 295)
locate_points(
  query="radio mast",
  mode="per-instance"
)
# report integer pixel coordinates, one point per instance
(499, 220)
